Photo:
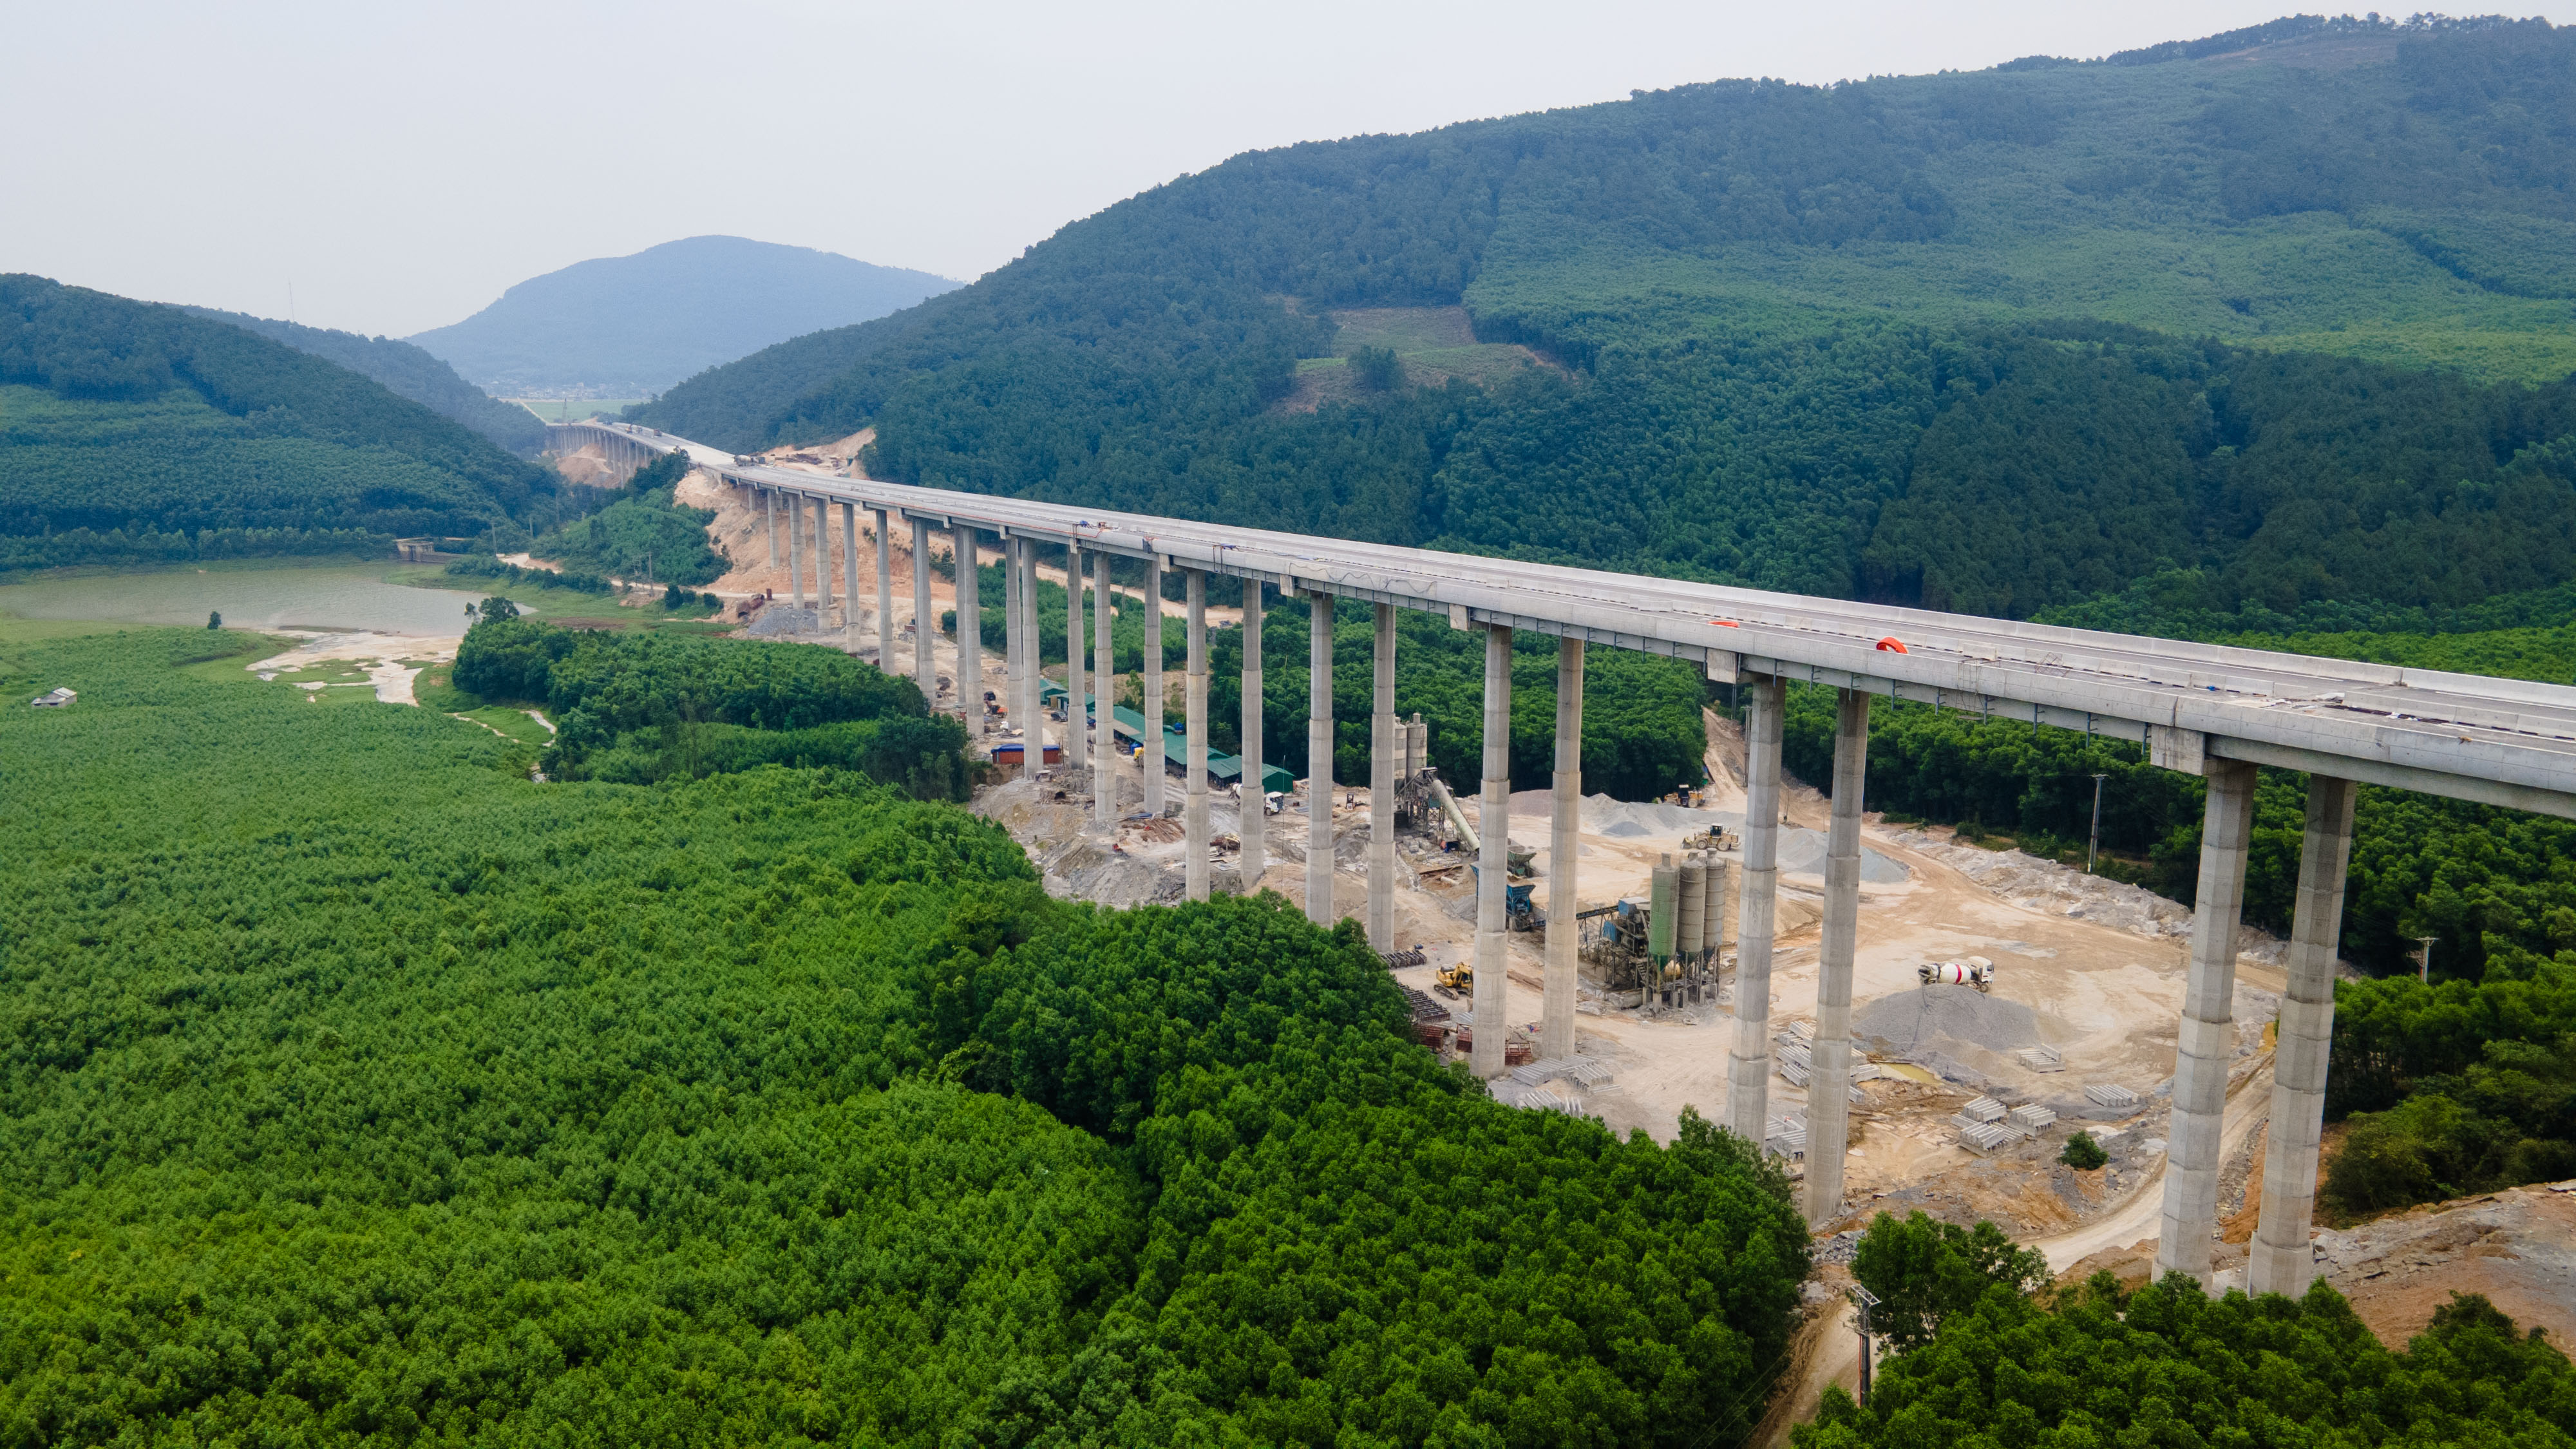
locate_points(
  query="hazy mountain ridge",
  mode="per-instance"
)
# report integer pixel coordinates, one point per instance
(632, 325)
(408, 371)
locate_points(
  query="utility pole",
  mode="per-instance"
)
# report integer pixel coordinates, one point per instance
(2424, 963)
(1866, 1301)
(2095, 847)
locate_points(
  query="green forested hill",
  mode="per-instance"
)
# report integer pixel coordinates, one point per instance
(2289, 306)
(407, 371)
(130, 430)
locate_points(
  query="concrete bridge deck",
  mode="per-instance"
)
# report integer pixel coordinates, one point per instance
(2498, 741)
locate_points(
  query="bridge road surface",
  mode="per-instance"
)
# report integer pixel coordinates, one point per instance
(2199, 709)
(2497, 741)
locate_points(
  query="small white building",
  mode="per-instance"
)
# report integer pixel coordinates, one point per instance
(54, 700)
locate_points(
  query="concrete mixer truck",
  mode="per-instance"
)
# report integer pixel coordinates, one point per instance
(1975, 971)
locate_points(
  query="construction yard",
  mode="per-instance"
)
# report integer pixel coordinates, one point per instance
(2087, 985)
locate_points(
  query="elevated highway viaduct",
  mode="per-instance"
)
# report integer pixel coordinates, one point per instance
(2202, 709)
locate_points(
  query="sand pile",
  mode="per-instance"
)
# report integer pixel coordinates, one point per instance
(1632, 819)
(1802, 852)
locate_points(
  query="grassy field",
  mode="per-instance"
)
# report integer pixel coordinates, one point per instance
(1435, 344)
(515, 723)
(14, 630)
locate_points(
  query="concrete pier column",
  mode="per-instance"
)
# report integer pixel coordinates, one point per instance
(850, 576)
(1104, 670)
(1014, 640)
(769, 519)
(795, 562)
(1829, 1088)
(1493, 861)
(1076, 690)
(925, 619)
(2281, 1260)
(1565, 801)
(970, 632)
(1748, 1062)
(1384, 748)
(1319, 759)
(1032, 657)
(885, 591)
(2208, 1026)
(1253, 830)
(822, 556)
(1154, 750)
(1011, 638)
(1194, 750)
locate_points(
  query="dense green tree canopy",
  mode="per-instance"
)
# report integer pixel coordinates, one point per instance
(1924, 1271)
(2167, 1365)
(383, 1095)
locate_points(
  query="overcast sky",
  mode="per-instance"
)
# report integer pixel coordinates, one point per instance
(398, 166)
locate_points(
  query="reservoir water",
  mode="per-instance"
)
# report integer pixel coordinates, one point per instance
(332, 596)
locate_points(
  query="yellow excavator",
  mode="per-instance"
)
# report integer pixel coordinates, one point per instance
(1458, 977)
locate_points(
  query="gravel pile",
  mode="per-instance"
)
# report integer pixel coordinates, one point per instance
(2035, 884)
(784, 619)
(1946, 1017)
(2045, 885)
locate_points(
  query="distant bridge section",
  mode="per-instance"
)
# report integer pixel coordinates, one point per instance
(2202, 709)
